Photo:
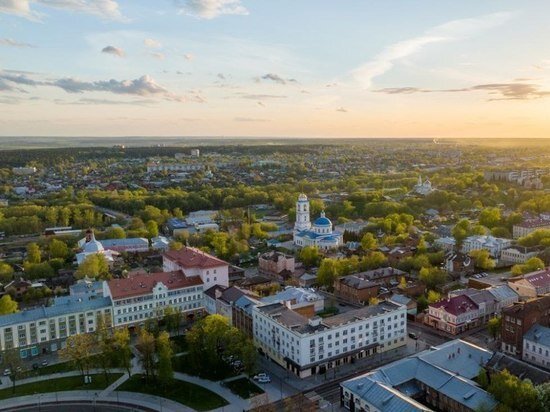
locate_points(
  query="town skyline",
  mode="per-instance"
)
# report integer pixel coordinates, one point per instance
(250, 69)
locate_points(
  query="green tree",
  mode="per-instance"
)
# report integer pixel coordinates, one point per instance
(482, 378)
(543, 395)
(373, 260)
(33, 253)
(164, 354)
(115, 232)
(175, 245)
(58, 249)
(12, 361)
(421, 303)
(432, 277)
(146, 347)
(93, 266)
(490, 217)
(79, 350)
(6, 272)
(121, 347)
(152, 228)
(461, 231)
(310, 256)
(483, 259)
(328, 272)
(433, 296)
(514, 393)
(530, 265)
(369, 242)
(493, 326)
(7, 305)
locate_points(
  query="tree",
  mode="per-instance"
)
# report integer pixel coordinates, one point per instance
(309, 255)
(403, 282)
(7, 305)
(146, 347)
(368, 241)
(494, 326)
(115, 232)
(175, 245)
(121, 347)
(58, 249)
(79, 351)
(93, 266)
(461, 231)
(328, 272)
(432, 277)
(530, 265)
(490, 217)
(514, 393)
(164, 353)
(373, 301)
(152, 228)
(373, 260)
(172, 319)
(482, 378)
(433, 296)
(33, 253)
(543, 395)
(6, 272)
(483, 259)
(12, 361)
(421, 303)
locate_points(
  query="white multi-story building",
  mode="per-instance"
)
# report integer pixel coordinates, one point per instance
(494, 245)
(536, 346)
(145, 296)
(529, 226)
(23, 171)
(194, 262)
(307, 346)
(518, 254)
(173, 167)
(45, 329)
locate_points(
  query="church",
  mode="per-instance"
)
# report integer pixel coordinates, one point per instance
(319, 233)
(423, 187)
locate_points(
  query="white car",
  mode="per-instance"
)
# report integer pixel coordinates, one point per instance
(265, 379)
(260, 376)
(7, 372)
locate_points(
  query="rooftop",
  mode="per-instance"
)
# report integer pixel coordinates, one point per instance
(143, 284)
(456, 305)
(538, 334)
(190, 257)
(298, 295)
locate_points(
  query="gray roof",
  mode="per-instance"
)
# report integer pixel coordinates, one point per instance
(538, 334)
(447, 368)
(131, 241)
(298, 294)
(289, 318)
(400, 299)
(518, 368)
(65, 305)
(246, 303)
(502, 292)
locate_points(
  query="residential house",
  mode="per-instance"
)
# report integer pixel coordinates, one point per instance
(458, 264)
(523, 370)
(536, 346)
(18, 287)
(242, 314)
(532, 284)
(494, 245)
(529, 226)
(276, 264)
(518, 254)
(454, 314)
(304, 301)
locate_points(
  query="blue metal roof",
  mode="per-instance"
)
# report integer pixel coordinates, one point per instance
(538, 334)
(65, 305)
(322, 221)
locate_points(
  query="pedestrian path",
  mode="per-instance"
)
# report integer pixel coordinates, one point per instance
(112, 387)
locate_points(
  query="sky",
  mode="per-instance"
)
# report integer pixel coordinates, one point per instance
(278, 68)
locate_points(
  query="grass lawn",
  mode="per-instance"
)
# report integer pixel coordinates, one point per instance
(244, 387)
(184, 365)
(71, 383)
(186, 393)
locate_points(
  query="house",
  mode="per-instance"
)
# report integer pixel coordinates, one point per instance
(308, 346)
(306, 302)
(458, 264)
(441, 378)
(523, 370)
(220, 300)
(536, 346)
(160, 243)
(519, 318)
(176, 226)
(136, 244)
(360, 287)
(195, 262)
(454, 314)
(532, 284)
(235, 274)
(529, 226)
(398, 254)
(518, 254)
(18, 287)
(307, 280)
(446, 243)
(494, 245)
(242, 314)
(409, 303)
(276, 264)
(146, 295)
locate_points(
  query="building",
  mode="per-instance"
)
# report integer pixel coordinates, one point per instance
(90, 246)
(360, 287)
(173, 167)
(441, 378)
(176, 226)
(532, 284)
(23, 171)
(307, 346)
(242, 314)
(145, 296)
(195, 262)
(536, 346)
(45, 329)
(423, 187)
(519, 318)
(220, 300)
(529, 226)
(127, 245)
(518, 254)
(201, 217)
(306, 302)
(160, 243)
(494, 245)
(195, 152)
(319, 234)
(454, 314)
(458, 264)
(517, 367)
(446, 243)
(18, 287)
(276, 264)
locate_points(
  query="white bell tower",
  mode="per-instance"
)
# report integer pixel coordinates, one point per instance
(302, 214)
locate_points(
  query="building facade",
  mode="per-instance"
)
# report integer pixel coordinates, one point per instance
(532, 284)
(494, 245)
(536, 346)
(529, 226)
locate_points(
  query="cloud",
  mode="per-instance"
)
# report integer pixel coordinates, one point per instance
(158, 55)
(210, 9)
(106, 9)
(249, 119)
(505, 91)
(142, 86)
(276, 78)
(14, 43)
(451, 31)
(188, 56)
(91, 101)
(220, 76)
(262, 96)
(115, 51)
(341, 109)
(152, 43)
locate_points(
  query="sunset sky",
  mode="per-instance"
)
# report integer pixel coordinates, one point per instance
(439, 68)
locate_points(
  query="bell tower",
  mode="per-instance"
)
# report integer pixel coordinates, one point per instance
(302, 214)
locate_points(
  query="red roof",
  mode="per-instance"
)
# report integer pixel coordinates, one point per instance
(143, 284)
(190, 257)
(540, 278)
(456, 305)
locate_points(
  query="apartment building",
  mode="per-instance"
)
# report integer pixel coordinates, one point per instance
(536, 346)
(307, 346)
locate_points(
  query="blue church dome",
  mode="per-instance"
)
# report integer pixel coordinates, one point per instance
(322, 221)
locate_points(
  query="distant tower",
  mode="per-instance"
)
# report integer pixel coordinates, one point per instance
(419, 180)
(302, 214)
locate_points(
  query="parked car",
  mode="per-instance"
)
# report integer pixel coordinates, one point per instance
(260, 376)
(266, 379)
(7, 372)
(44, 363)
(413, 335)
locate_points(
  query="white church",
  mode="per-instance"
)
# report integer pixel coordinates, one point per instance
(423, 187)
(319, 233)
